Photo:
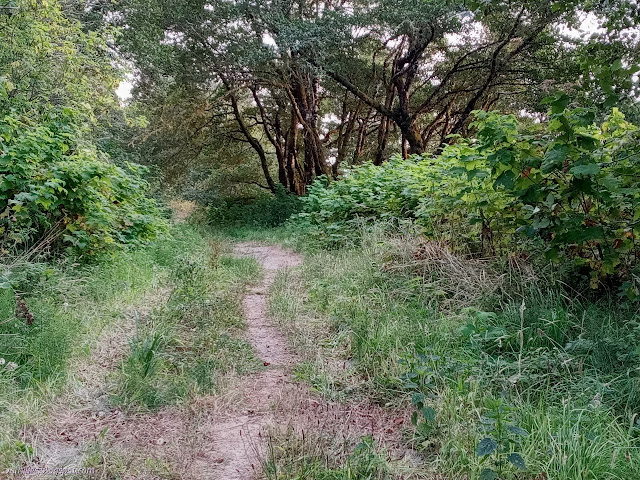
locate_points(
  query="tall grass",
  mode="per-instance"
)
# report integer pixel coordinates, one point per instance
(567, 369)
(186, 347)
(71, 304)
(294, 455)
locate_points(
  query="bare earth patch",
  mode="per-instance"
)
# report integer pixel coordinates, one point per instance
(182, 210)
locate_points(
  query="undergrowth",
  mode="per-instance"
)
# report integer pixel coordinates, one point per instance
(562, 371)
(186, 346)
(291, 455)
(263, 211)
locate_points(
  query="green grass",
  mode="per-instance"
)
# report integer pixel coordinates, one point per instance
(186, 347)
(65, 301)
(72, 303)
(568, 370)
(69, 303)
(291, 456)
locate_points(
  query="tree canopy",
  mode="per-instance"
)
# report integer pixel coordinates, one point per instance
(311, 85)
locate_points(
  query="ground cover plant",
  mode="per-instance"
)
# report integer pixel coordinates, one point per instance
(64, 305)
(525, 388)
(184, 346)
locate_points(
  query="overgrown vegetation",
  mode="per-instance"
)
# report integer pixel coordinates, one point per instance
(566, 190)
(470, 230)
(552, 374)
(185, 347)
(265, 211)
(290, 456)
(68, 304)
(57, 188)
(57, 192)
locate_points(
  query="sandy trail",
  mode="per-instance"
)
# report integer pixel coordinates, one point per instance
(239, 439)
(270, 399)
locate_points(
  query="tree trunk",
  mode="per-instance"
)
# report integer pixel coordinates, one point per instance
(306, 103)
(253, 141)
(296, 181)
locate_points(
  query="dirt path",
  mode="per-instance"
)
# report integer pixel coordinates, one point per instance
(212, 437)
(270, 399)
(240, 438)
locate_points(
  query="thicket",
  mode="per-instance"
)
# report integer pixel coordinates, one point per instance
(264, 210)
(58, 190)
(567, 189)
(54, 191)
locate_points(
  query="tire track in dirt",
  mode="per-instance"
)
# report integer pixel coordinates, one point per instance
(212, 437)
(239, 439)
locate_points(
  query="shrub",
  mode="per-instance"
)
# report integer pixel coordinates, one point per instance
(55, 190)
(569, 187)
(575, 186)
(264, 211)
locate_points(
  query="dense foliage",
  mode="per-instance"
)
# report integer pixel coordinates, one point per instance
(264, 211)
(570, 186)
(57, 188)
(307, 86)
(54, 189)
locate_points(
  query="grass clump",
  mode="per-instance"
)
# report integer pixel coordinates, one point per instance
(299, 456)
(187, 346)
(70, 303)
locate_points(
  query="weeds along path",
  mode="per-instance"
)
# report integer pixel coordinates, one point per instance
(269, 400)
(217, 436)
(82, 411)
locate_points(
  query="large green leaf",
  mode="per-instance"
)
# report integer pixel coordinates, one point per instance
(506, 179)
(486, 446)
(557, 102)
(554, 158)
(488, 474)
(517, 460)
(585, 170)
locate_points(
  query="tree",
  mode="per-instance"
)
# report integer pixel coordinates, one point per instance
(307, 81)
(433, 63)
(57, 188)
(48, 62)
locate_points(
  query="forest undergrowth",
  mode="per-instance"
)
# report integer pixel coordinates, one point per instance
(516, 378)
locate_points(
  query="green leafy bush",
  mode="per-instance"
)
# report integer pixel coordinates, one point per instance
(569, 186)
(574, 186)
(56, 190)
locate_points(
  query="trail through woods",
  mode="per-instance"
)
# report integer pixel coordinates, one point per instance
(217, 437)
(241, 437)
(270, 398)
